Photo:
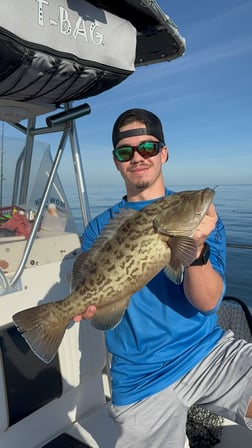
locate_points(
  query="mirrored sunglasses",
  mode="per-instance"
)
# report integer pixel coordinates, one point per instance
(145, 149)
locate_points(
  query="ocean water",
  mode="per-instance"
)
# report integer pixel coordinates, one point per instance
(234, 205)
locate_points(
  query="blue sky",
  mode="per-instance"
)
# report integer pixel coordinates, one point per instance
(204, 100)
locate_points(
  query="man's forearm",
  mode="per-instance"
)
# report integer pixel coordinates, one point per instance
(203, 286)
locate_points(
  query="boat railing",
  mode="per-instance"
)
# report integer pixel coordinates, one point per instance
(62, 122)
(239, 246)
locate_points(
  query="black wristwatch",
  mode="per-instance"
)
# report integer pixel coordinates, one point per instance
(204, 256)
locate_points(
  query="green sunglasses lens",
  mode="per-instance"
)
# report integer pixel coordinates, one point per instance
(124, 153)
(145, 149)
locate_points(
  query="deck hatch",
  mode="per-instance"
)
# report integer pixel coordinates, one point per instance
(30, 383)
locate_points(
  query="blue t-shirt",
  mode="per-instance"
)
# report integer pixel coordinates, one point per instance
(161, 336)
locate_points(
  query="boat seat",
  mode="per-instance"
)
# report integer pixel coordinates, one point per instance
(204, 428)
(234, 315)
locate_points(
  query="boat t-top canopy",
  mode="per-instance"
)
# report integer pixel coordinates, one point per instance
(55, 52)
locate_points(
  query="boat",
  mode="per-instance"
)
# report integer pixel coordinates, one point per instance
(56, 54)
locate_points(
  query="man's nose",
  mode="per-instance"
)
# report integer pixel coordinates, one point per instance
(136, 157)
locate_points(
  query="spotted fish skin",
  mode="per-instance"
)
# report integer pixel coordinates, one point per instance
(133, 248)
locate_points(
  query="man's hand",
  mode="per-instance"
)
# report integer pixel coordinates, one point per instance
(203, 285)
(89, 313)
(204, 229)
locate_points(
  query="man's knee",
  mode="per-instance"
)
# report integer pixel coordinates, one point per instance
(249, 410)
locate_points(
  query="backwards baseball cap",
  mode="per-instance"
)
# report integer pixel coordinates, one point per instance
(150, 120)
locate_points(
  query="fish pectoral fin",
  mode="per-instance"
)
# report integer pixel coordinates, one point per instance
(175, 275)
(183, 250)
(43, 329)
(110, 316)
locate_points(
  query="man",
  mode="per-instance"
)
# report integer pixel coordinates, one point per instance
(167, 352)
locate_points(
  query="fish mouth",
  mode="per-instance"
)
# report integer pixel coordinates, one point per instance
(208, 195)
(205, 200)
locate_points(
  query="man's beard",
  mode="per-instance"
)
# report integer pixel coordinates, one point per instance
(141, 185)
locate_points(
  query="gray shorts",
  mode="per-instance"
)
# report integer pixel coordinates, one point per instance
(222, 383)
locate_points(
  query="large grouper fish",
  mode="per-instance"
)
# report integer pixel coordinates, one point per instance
(132, 249)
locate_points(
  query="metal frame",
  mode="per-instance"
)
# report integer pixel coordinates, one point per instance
(64, 123)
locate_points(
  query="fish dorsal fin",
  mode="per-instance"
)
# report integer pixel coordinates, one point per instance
(183, 250)
(110, 316)
(77, 270)
(112, 226)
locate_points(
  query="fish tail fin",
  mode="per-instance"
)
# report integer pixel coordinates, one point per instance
(43, 328)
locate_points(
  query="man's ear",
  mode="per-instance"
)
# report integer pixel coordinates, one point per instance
(165, 154)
